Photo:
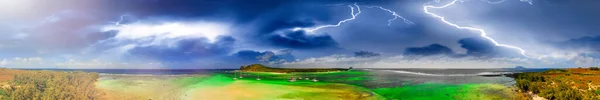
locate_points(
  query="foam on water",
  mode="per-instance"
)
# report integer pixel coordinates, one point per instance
(429, 74)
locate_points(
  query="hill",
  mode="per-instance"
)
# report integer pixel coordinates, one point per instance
(262, 68)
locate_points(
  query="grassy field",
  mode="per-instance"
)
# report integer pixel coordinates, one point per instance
(559, 84)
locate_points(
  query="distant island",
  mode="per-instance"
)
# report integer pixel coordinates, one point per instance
(262, 68)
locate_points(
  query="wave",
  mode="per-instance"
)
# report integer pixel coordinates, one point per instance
(429, 74)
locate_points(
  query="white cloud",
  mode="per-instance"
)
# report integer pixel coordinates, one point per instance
(578, 58)
(23, 62)
(4, 62)
(157, 33)
(162, 32)
(98, 64)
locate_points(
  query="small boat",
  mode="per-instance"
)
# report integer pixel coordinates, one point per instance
(235, 74)
(315, 80)
(258, 78)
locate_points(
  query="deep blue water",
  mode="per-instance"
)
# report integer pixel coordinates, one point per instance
(145, 71)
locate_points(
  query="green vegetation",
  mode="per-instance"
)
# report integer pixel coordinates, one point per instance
(262, 68)
(561, 84)
(50, 85)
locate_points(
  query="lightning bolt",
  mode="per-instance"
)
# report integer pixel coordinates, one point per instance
(494, 2)
(480, 31)
(122, 17)
(118, 23)
(358, 11)
(310, 30)
(528, 1)
(396, 16)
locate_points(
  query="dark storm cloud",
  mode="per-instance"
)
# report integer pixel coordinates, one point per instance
(588, 42)
(185, 50)
(245, 10)
(240, 10)
(433, 49)
(271, 20)
(366, 54)
(300, 40)
(267, 16)
(266, 56)
(477, 46)
(267, 24)
(485, 48)
(283, 23)
(249, 54)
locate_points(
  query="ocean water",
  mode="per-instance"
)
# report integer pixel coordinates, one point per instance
(370, 78)
(413, 71)
(402, 77)
(395, 84)
(146, 71)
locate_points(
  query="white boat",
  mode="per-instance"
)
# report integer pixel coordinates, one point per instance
(258, 78)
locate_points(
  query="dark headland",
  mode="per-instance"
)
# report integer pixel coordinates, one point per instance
(262, 68)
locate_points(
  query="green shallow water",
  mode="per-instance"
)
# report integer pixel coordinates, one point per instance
(275, 87)
(432, 91)
(424, 91)
(215, 80)
(331, 85)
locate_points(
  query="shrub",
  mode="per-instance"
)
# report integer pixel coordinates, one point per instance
(51, 85)
(555, 71)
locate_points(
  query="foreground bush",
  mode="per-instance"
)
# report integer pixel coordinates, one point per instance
(51, 85)
(560, 84)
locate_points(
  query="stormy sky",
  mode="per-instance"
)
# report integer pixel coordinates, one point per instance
(210, 34)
